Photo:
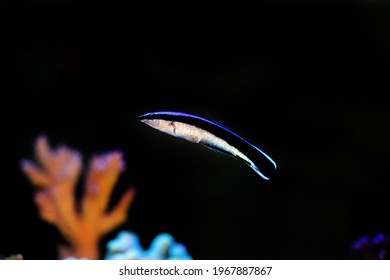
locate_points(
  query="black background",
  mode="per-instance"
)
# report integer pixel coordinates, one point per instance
(306, 81)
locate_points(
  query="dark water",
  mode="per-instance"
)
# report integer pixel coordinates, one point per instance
(305, 82)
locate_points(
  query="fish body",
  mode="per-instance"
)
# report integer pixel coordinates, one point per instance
(212, 135)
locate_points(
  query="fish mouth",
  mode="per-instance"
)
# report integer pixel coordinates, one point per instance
(150, 122)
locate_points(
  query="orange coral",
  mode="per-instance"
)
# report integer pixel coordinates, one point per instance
(56, 178)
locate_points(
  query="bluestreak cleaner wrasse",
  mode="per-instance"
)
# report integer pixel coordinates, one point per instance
(212, 135)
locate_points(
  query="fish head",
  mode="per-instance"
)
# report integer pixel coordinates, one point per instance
(162, 125)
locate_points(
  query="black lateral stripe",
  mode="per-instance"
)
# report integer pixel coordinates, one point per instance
(219, 150)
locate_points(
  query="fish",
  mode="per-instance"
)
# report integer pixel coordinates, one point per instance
(212, 135)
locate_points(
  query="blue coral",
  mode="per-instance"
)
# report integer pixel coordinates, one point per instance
(127, 246)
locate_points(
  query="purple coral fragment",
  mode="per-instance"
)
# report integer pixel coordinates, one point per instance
(375, 248)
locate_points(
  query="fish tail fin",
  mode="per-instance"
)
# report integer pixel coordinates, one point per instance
(254, 167)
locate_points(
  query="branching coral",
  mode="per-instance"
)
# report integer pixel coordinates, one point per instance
(56, 177)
